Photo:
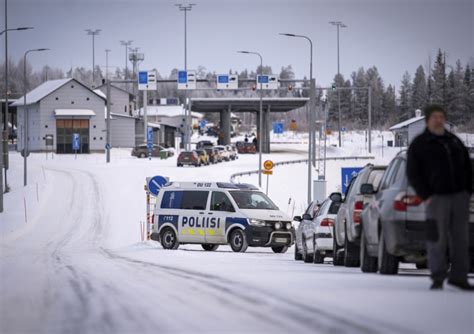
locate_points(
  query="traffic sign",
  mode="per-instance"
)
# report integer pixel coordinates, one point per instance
(155, 183)
(267, 81)
(149, 139)
(107, 146)
(347, 174)
(268, 165)
(147, 80)
(278, 127)
(267, 172)
(227, 81)
(76, 142)
(187, 79)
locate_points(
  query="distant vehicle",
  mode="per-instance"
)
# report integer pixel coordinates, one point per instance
(214, 213)
(213, 131)
(244, 148)
(393, 225)
(141, 151)
(232, 152)
(213, 154)
(347, 225)
(204, 144)
(314, 239)
(203, 157)
(223, 152)
(189, 158)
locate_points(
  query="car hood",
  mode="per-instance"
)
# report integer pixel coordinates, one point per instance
(275, 215)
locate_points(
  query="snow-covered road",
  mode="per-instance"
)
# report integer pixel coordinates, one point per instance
(77, 266)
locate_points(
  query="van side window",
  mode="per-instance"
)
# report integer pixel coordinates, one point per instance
(220, 202)
(389, 173)
(194, 200)
(172, 200)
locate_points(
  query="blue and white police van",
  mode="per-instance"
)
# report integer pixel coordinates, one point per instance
(213, 214)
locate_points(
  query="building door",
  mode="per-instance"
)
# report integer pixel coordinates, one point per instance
(64, 130)
(169, 136)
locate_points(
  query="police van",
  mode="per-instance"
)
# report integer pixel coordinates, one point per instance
(213, 214)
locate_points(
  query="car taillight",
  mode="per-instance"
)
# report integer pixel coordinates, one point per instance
(403, 201)
(327, 222)
(358, 207)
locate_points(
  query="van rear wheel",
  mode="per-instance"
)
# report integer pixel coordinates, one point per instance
(209, 247)
(387, 263)
(168, 238)
(279, 249)
(237, 241)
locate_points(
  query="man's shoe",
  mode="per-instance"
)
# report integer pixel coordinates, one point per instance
(437, 285)
(462, 285)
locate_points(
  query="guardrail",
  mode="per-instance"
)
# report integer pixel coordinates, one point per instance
(299, 161)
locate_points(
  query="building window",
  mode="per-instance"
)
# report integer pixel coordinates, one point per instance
(100, 138)
(125, 109)
(72, 86)
(94, 126)
(57, 98)
(95, 138)
(46, 126)
(87, 99)
(72, 102)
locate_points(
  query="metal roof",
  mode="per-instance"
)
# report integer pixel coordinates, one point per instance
(406, 123)
(247, 104)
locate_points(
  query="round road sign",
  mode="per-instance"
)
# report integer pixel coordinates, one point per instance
(268, 165)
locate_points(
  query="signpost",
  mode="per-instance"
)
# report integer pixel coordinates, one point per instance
(149, 141)
(153, 186)
(278, 128)
(186, 80)
(76, 143)
(155, 183)
(227, 81)
(49, 143)
(267, 170)
(268, 81)
(347, 174)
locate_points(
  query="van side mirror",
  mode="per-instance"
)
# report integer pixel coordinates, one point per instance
(297, 218)
(367, 189)
(307, 216)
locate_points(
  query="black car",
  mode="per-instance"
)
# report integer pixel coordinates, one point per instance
(204, 144)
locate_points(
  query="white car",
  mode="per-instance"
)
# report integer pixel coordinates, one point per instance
(219, 213)
(225, 154)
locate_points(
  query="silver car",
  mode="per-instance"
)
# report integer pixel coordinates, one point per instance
(393, 225)
(347, 226)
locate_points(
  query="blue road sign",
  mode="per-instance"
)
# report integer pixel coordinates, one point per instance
(108, 147)
(278, 127)
(155, 184)
(76, 142)
(343, 129)
(347, 174)
(182, 77)
(149, 138)
(223, 79)
(202, 124)
(143, 77)
(263, 79)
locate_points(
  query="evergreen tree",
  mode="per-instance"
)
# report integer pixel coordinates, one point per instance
(456, 92)
(439, 80)
(419, 97)
(359, 97)
(389, 106)
(374, 81)
(405, 111)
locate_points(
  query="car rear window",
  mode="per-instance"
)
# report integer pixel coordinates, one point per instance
(186, 154)
(334, 208)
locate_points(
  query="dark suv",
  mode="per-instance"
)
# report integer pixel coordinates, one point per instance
(189, 158)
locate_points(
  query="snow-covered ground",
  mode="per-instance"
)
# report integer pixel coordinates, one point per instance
(77, 263)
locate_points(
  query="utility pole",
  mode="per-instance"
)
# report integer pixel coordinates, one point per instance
(107, 125)
(126, 44)
(107, 64)
(338, 25)
(93, 33)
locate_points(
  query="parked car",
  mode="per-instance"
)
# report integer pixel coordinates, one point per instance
(223, 152)
(188, 158)
(314, 238)
(232, 152)
(393, 225)
(213, 154)
(347, 225)
(204, 144)
(471, 220)
(245, 148)
(141, 151)
(203, 157)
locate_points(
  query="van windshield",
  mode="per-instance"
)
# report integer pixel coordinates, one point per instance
(252, 200)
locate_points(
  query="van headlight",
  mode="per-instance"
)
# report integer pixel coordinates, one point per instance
(288, 226)
(257, 222)
(278, 225)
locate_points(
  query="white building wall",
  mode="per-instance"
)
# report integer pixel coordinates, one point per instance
(122, 131)
(34, 133)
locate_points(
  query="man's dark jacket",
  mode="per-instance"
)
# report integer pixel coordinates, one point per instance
(438, 165)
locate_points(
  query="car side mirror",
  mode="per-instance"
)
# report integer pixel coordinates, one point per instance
(367, 189)
(297, 218)
(307, 216)
(336, 197)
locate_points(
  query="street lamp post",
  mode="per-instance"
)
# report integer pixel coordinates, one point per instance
(186, 8)
(93, 33)
(25, 117)
(126, 44)
(107, 64)
(312, 141)
(339, 25)
(260, 118)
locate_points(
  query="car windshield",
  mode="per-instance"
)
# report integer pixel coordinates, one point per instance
(252, 200)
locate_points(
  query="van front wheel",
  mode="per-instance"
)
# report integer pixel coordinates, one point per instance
(237, 241)
(168, 238)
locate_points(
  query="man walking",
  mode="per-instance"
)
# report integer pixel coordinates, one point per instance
(439, 168)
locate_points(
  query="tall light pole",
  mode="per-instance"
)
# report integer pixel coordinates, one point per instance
(311, 141)
(338, 25)
(126, 44)
(93, 33)
(260, 117)
(25, 116)
(186, 8)
(107, 64)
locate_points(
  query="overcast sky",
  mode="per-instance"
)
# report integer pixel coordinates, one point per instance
(394, 35)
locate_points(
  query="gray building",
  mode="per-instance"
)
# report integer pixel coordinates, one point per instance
(122, 101)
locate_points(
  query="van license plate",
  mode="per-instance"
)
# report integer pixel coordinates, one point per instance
(283, 240)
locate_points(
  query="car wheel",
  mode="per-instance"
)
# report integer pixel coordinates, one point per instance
(209, 247)
(142, 155)
(168, 238)
(337, 253)
(351, 252)
(237, 241)
(298, 256)
(318, 258)
(368, 264)
(387, 263)
(307, 258)
(279, 249)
